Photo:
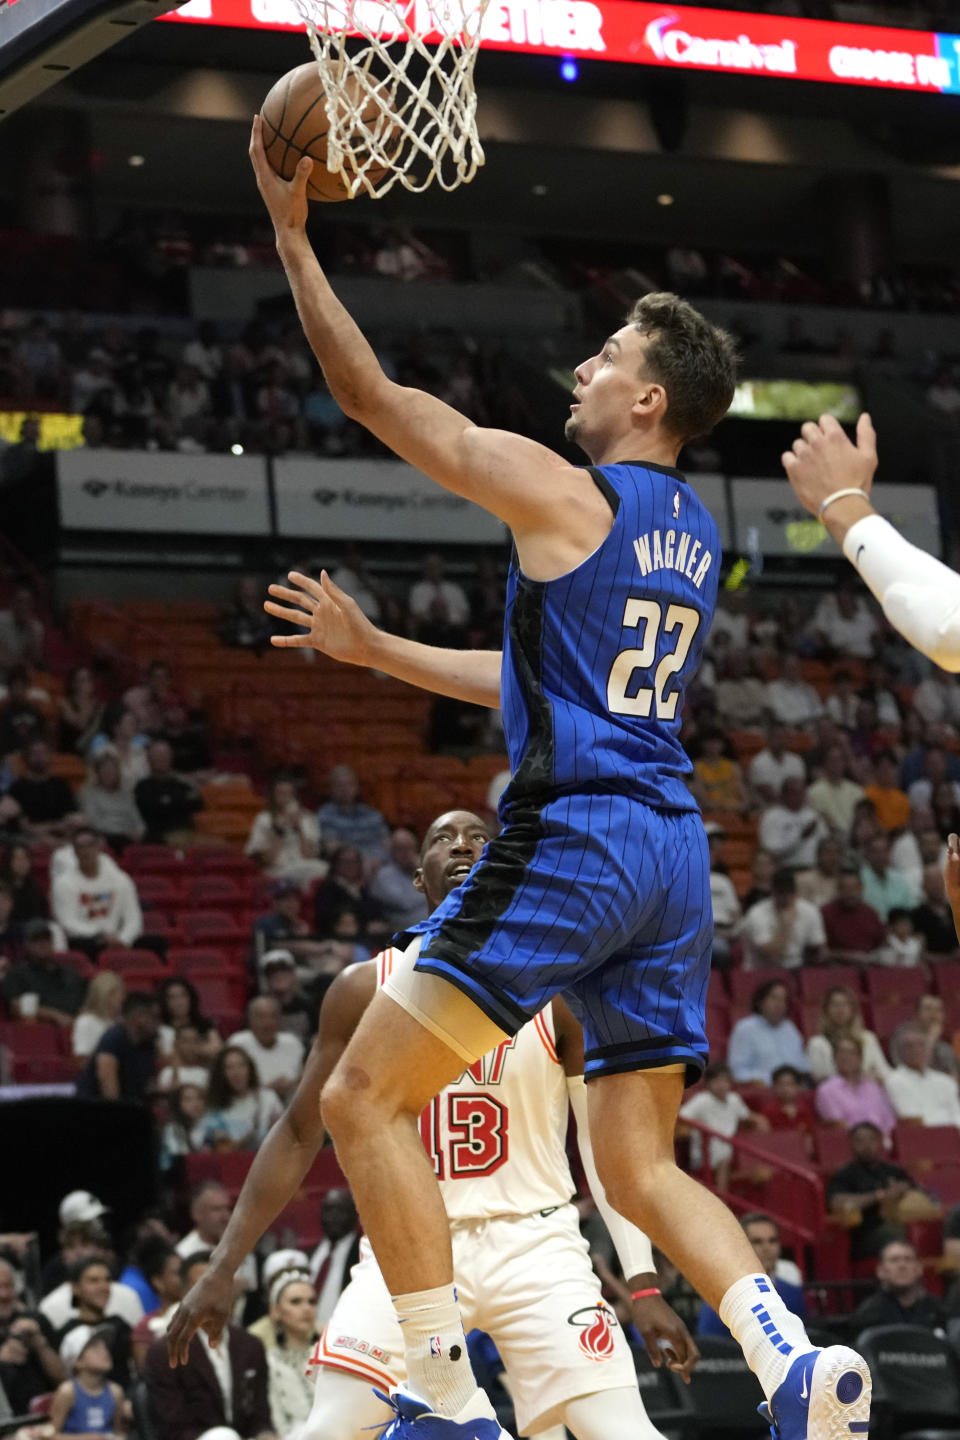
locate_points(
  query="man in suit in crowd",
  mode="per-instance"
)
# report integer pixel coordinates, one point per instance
(225, 1388)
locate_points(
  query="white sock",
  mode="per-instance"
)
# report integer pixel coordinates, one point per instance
(770, 1335)
(438, 1366)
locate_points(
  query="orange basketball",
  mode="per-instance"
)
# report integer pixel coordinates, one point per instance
(295, 124)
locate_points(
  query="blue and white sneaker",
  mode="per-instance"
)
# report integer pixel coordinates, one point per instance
(416, 1421)
(825, 1396)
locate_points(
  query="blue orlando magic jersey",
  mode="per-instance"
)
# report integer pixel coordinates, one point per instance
(595, 664)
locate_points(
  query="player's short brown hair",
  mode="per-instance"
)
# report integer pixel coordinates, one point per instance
(696, 362)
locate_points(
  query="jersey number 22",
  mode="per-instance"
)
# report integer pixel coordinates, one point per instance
(646, 700)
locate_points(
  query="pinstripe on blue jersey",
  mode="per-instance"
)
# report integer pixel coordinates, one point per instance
(595, 664)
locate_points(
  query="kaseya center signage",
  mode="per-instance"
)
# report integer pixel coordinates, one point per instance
(156, 493)
(671, 36)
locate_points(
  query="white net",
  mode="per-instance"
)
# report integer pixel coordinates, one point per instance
(398, 108)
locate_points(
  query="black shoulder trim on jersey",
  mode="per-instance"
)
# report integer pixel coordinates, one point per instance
(660, 469)
(605, 488)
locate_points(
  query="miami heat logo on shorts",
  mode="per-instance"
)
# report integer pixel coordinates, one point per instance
(596, 1330)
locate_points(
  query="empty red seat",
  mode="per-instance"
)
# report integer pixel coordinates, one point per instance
(30, 1037)
(832, 1147)
(946, 979)
(217, 890)
(718, 1029)
(152, 859)
(780, 1145)
(943, 1182)
(889, 1014)
(43, 1070)
(184, 959)
(124, 959)
(219, 991)
(899, 982)
(815, 981)
(934, 1143)
(210, 860)
(160, 891)
(299, 1223)
(196, 924)
(325, 1172)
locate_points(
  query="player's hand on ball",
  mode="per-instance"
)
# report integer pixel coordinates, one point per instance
(206, 1307)
(824, 460)
(286, 200)
(334, 622)
(665, 1336)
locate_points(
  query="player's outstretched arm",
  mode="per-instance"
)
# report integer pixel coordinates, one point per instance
(336, 626)
(664, 1333)
(523, 483)
(279, 1166)
(920, 596)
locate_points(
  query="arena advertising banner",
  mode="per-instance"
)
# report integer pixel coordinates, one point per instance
(671, 36)
(379, 500)
(135, 490)
(770, 521)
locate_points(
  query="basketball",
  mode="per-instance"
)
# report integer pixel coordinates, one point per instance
(295, 124)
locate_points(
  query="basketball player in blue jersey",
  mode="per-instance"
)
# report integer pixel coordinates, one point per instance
(598, 885)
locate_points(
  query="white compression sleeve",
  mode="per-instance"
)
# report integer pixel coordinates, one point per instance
(610, 1415)
(344, 1408)
(633, 1247)
(920, 596)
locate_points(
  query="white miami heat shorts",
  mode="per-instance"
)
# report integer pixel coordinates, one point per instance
(528, 1282)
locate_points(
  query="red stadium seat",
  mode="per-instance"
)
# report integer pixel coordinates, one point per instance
(888, 1015)
(43, 1070)
(234, 1167)
(152, 860)
(163, 892)
(832, 1147)
(30, 1037)
(77, 961)
(197, 924)
(211, 860)
(946, 979)
(219, 991)
(817, 980)
(718, 1029)
(781, 1144)
(185, 959)
(743, 984)
(932, 1143)
(299, 1223)
(216, 890)
(132, 959)
(900, 982)
(325, 1172)
(943, 1182)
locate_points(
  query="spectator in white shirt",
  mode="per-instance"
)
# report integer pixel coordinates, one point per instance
(844, 625)
(790, 699)
(771, 766)
(937, 698)
(719, 1107)
(187, 1066)
(883, 887)
(792, 829)
(277, 1054)
(732, 620)
(741, 695)
(285, 838)
(834, 795)
(918, 1092)
(917, 846)
(783, 930)
(841, 704)
(205, 353)
(727, 913)
(438, 606)
(96, 904)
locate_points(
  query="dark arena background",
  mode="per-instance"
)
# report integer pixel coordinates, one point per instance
(168, 448)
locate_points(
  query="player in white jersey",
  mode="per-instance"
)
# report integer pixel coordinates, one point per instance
(833, 478)
(497, 1139)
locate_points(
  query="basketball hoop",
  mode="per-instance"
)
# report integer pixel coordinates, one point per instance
(422, 123)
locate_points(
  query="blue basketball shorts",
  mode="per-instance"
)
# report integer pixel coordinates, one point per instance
(599, 898)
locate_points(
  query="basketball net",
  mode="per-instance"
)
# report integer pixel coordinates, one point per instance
(397, 108)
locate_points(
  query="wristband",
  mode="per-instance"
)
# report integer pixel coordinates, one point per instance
(841, 495)
(644, 1294)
